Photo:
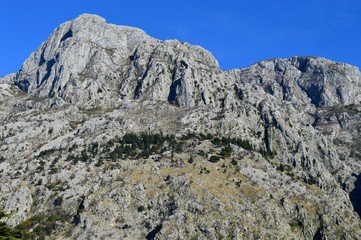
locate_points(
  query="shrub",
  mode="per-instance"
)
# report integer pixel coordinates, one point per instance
(226, 151)
(47, 152)
(93, 148)
(58, 201)
(214, 158)
(7, 232)
(84, 157)
(188, 136)
(44, 224)
(216, 141)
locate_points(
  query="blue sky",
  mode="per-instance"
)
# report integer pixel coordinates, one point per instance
(238, 33)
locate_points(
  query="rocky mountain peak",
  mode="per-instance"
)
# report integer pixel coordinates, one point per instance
(317, 80)
(108, 132)
(86, 59)
(86, 17)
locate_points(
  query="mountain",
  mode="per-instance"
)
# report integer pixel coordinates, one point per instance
(108, 133)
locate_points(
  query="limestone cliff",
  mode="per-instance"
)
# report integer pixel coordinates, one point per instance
(108, 133)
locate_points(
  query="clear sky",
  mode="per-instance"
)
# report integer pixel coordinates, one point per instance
(238, 33)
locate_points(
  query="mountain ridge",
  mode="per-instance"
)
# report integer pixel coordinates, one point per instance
(266, 151)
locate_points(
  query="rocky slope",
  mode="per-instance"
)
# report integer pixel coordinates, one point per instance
(108, 133)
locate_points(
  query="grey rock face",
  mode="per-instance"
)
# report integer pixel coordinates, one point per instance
(296, 175)
(89, 61)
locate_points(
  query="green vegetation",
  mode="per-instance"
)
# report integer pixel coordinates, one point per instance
(267, 153)
(214, 158)
(94, 148)
(295, 226)
(43, 224)
(47, 152)
(142, 146)
(226, 151)
(287, 169)
(10, 233)
(83, 157)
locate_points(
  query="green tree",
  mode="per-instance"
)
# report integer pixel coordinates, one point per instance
(10, 233)
(226, 151)
(214, 158)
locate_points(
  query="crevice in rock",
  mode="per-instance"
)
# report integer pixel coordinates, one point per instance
(81, 207)
(270, 90)
(152, 234)
(285, 91)
(355, 195)
(184, 64)
(42, 59)
(318, 235)
(314, 93)
(23, 85)
(138, 89)
(49, 66)
(52, 92)
(203, 98)
(339, 94)
(38, 78)
(67, 35)
(303, 64)
(267, 125)
(135, 55)
(172, 97)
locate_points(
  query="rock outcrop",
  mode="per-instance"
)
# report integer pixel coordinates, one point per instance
(109, 133)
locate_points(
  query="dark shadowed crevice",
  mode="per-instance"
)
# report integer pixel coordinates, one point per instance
(355, 196)
(77, 217)
(52, 93)
(285, 91)
(135, 55)
(270, 90)
(42, 59)
(138, 89)
(23, 85)
(303, 64)
(318, 235)
(38, 78)
(49, 66)
(267, 125)
(314, 93)
(203, 98)
(152, 234)
(67, 35)
(172, 97)
(339, 94)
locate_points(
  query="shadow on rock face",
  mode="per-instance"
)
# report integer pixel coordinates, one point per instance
(355, 195)
(152, 234)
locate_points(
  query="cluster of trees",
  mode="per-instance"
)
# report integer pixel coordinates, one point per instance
(224, 141)
(245, 144)
(83, 157)
(42, 224)
(132, 145)
(7, 232)
(136, 146)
